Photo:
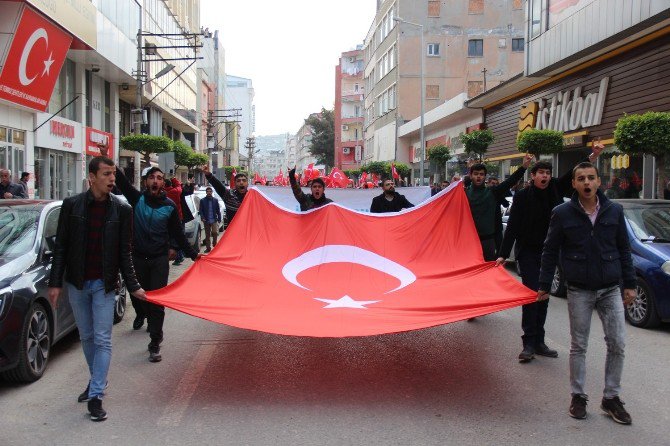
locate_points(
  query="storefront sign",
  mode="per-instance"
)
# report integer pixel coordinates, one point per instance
(35, 57)
(568, 111)
(565, 111)
(95, 138)
(58, 133)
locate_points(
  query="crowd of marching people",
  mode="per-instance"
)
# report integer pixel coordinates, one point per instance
(100, 235)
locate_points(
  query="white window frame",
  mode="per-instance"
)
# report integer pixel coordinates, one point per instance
(433, 49)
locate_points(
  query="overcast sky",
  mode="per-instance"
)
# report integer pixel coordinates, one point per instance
(289, 49)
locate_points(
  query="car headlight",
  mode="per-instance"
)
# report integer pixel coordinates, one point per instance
(666, 267)
(5, 299)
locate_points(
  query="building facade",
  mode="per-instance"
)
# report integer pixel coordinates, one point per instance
(468, 46)
(349, 107)
(240, 95)
(303, 157)
(622, 72)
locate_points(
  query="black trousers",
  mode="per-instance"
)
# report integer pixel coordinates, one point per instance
(488, 249)
(152, 275)
(533, 316)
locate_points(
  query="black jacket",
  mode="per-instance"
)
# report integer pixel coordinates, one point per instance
(232, 199)
(307, 201)
(592, 256)
(381, 205)
(69, 254)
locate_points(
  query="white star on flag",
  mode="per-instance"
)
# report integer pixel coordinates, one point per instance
(47, 64)
(347, 302)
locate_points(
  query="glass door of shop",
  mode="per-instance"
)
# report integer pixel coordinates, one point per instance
(54, 174)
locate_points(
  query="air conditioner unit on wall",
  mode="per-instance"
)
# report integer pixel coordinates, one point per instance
(346, 150)
(345, 127)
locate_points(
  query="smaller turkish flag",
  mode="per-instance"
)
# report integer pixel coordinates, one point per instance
(234, 174)
(394, 172)
(338, 178)
(364, 178)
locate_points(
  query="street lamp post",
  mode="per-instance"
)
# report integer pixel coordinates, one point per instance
(422, 150)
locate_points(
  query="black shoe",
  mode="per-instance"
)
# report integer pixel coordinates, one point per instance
(614, 407)
(155, 352)
(578, 406)
(527, 354)
(96, 410)
(543, 350)
(471, 319)
(138, 322)
(83, 396)
(206, 250)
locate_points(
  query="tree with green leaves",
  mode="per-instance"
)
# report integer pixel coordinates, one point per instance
(477, 142)
(323, 137)
(646, 133)
(196, 159)
(538, 142)
(438, 156)
(182, 153)
(145, 145)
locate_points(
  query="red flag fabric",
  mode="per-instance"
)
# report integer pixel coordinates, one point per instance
(335, 272)
(234, 174)
(364, 178)
(394, 172)
(338, 178)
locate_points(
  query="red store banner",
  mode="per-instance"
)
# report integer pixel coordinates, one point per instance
(35, 57)
(96, 137)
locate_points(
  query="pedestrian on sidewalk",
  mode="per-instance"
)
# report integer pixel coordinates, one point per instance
(8, 189)
(210, 213)
(309, 201)
(527, 226)
(93, 242)
(589, 235)
(389, 200)
(156, 224)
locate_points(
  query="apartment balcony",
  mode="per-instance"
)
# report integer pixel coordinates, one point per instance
(352, 74)
(353, 97)
(352, 119)
(349, 141)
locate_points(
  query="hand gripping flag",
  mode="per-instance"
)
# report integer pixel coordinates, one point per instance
(336, 272)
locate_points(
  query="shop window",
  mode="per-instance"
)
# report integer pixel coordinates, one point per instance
(475, 48)
(663, 188)
(3, 134)
(432, 92)
(621, 174)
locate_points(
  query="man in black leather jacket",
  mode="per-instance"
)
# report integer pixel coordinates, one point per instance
(94, 242)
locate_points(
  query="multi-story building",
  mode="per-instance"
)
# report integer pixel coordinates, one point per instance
(54, 115)
(270, 163)
(349, 106)
(240, 95)
(468, 46)
(290, 150)
(303, 157)
(588, 63)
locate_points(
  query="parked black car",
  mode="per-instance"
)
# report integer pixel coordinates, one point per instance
(30, 323)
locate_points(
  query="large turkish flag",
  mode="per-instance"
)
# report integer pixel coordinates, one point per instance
(337, 272)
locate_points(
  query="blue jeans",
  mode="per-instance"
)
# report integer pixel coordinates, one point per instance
(609, 305)
(94, 313)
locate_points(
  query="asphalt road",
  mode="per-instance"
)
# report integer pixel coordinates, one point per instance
(458, 384)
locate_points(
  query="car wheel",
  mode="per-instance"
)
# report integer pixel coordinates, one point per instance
(642, 312)
(558, 287)
(34, 348)
(120, 303)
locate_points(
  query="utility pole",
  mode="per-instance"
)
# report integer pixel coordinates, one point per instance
(250, 145)
(484, 73)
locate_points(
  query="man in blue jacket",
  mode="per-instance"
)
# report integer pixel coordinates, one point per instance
(210, 213)
(589, 233)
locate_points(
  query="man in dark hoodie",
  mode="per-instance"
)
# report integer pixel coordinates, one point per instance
(232, 198)
(156, 223)
(314, 200)
(389, 200)
(483, 201)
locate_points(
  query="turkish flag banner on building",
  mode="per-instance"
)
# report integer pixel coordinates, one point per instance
(335, 272)
(35, 57)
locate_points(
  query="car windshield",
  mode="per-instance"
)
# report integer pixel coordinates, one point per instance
(18, 226)
(650, 223)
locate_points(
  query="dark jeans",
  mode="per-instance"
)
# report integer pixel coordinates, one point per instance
(533, 315)
(152, 275)
(488, 249)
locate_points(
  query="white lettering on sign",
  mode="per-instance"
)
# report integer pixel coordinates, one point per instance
(568, 111)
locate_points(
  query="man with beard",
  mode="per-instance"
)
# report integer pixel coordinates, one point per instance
(389, 200)
(314, 200)
(527, 225)
(232, 198)
(588, 235)
(156, 222)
